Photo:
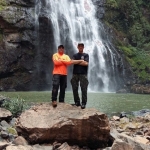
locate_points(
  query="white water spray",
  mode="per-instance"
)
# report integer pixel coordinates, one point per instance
(76, 19)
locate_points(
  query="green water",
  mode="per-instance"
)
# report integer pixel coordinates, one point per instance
(109, 103)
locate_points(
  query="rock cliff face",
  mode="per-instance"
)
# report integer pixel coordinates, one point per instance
(17, 44)
(25, 54)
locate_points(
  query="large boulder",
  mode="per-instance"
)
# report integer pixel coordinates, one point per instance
(65, 123)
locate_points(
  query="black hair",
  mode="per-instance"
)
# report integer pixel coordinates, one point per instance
(80, 44)
(60, 46)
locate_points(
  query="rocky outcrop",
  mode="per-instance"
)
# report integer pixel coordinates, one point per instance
(66, 123)
(131, 134)
(68, 127)
(140, 89)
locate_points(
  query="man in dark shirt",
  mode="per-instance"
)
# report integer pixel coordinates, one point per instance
(80, 71)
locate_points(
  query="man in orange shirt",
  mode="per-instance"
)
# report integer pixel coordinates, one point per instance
(61, 61)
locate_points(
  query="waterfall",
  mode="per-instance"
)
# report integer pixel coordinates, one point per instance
(73, 21)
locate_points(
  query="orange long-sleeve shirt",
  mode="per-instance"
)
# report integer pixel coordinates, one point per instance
(60, 63)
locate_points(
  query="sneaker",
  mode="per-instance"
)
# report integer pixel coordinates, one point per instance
(54, 103)
(77, 104)
(83, 106)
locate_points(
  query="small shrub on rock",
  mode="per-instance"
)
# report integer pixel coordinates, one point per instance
(15, 106)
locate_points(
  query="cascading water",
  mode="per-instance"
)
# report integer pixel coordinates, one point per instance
(73, 21)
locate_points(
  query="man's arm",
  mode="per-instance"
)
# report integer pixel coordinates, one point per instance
(84, 63)
(56, 60)
(68, 61)
(76, 61)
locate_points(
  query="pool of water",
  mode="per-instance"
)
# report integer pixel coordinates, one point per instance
(109, 103)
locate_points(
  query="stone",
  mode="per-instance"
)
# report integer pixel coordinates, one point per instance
(27, 147)
(5, 113)
(19, 147)
(12, 122)
(5, 124)
(121, 145)
(43, 147)
(64, 146)
(3, 145)
(116, 118)
(20, 141)
(65, 123)
(141, 140)
(4, 134)
(140, 89)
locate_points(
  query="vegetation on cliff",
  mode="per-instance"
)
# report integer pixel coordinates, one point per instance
(131, 22)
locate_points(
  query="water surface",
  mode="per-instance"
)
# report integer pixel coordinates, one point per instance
(109, 103)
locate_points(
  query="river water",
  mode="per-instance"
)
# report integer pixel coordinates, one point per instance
(109, 103)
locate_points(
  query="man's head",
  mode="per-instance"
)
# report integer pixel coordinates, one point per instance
(60, 49)
(80, 47)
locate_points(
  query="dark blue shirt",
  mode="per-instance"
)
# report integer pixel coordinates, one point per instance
(78, 69)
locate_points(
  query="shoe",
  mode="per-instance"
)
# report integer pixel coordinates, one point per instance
(83, 106)
(54, 103)
(77, 104)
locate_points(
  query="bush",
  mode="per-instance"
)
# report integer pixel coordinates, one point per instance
(15, 106)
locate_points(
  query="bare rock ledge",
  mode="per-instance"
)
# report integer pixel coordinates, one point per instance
(65, 123)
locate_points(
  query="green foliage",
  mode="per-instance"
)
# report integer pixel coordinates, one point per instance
(129, 51)
(135, 34)
(15, 106)
(112, 4)
(146, 47)
(139, 61)
(130, 20)
(128, 17)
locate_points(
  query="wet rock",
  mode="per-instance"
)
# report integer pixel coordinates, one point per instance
(142, 112)
(122, 91)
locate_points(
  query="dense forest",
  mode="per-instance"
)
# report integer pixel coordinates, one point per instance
(130, 21)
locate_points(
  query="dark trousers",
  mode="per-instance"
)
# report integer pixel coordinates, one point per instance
(83, 84)
(59, 81)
